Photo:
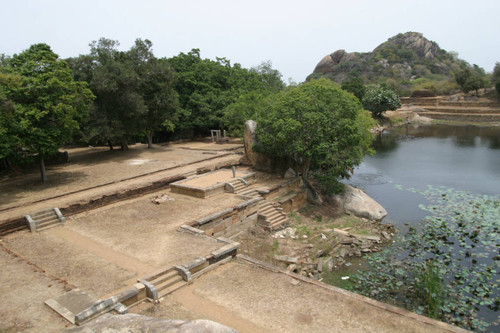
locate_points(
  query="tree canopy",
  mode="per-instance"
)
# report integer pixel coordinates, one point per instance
(380, 98)
(206, 88)
(320, 127)
(134, 89)
(46, 104)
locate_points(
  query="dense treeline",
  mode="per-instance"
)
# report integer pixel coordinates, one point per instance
(116, 97)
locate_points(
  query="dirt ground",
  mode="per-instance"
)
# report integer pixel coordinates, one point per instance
(24, 288)
(106, 249)
(273, 302)
(90, 167)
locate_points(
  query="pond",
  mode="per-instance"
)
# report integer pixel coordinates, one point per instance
(463, 158)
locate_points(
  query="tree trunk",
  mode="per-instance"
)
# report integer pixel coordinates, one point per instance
(6, 163)
(149, 135)
(305, 167)
(124, 145)
(110, 144)
(43, 172)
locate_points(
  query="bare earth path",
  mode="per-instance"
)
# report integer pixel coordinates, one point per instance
(17, 200)
(106, 249)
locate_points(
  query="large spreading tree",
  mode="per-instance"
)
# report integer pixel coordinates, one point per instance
(320, 127)
(135, 92)
(47, 104)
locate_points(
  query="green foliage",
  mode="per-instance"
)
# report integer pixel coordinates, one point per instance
(438, 87)
(48, 103)
(497, 88)
(207, 88)
(9, 139)
(135, 91)
(378, 99)
(247, 106)
(399, 62)
(495, 77)
(319, 126)
(469, 79)
(445, 267)
(355, 86)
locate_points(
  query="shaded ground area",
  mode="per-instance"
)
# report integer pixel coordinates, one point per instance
(147, 231)
(106, 249)
(69, 261)
(95, 166)
(24, 289)
(21, 200)
(273, 302)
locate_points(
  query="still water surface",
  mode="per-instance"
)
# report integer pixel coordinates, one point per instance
(460, 157)
(463, 158)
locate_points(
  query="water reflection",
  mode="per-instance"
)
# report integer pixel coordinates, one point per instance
(461, 157)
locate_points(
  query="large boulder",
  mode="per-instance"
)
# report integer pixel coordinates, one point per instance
(257, 160)
(134, 323)
(358, 203)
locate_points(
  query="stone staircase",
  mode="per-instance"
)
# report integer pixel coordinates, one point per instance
(45, 219)
(271, 217)
(162, 283)
(239, 185)
(469, 111)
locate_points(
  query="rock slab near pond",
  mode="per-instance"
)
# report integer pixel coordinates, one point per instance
(358, 203)
(133, 323)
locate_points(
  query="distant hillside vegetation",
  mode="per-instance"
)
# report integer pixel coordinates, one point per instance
(406, 62)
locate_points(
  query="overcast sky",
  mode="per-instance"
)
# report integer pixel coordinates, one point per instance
(293, 35)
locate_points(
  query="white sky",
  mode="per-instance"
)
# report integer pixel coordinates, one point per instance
(293, 34)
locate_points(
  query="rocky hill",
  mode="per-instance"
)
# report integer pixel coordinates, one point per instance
(406, 62)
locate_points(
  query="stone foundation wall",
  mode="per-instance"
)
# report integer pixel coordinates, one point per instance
(221, 223)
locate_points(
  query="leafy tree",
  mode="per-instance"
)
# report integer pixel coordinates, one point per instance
(48, 103)
(206, 88)
(470, 79)
(135, 92)
(255, 87)
(495, 78)
(271, 78)
(247, 106)
(9, 139)
(319, 126)
(355, 86)
(380, 98)
(159, 96)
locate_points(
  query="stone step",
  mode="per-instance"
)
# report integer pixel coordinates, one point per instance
(463, 110)
(167, 283)
(48, 225)
(155, 275)
(280, 219)
(277, 225)
(273, 215)
(42, 214)
(172, 288)
(462, 116)
(267, 209)
(47, 218)
(164, 277)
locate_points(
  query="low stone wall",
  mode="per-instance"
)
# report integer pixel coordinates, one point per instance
(282, 189)
(197, 191)
(205, 192)
(294, 201)
(421, 101)
(221, 223)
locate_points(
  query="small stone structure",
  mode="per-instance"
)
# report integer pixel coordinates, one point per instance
(44, 219)
(202, 186)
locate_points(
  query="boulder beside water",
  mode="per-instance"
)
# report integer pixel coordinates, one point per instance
(358, 203)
